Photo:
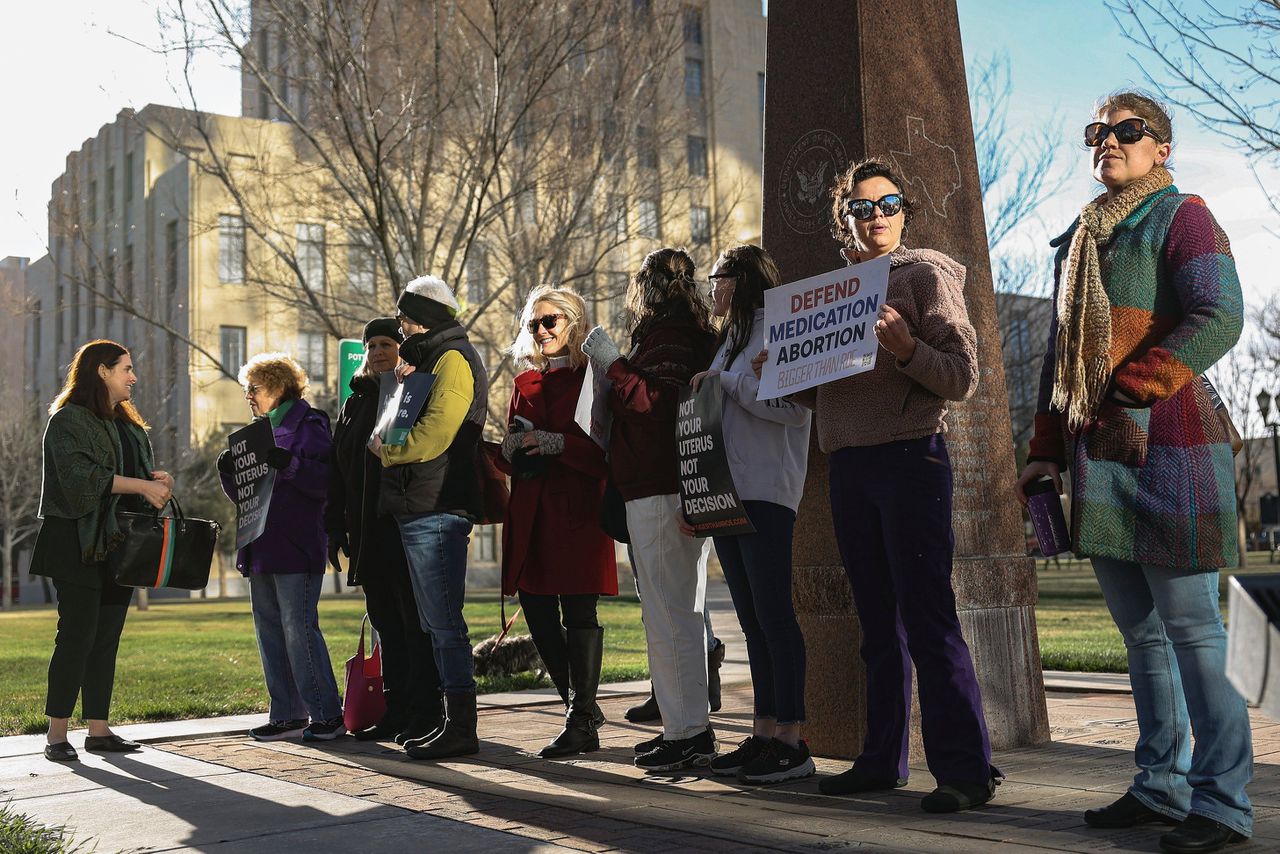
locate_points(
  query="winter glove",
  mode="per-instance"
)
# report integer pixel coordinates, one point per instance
(279, 458)
(511, 444)
(600, 349)
(337, 540)
(549, 444)
(225, 463)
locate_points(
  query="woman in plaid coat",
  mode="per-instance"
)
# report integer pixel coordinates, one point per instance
(1146, 300)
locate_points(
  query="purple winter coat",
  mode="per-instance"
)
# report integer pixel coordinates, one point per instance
(294, 540)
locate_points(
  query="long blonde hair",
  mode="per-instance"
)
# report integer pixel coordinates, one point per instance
(525, 352)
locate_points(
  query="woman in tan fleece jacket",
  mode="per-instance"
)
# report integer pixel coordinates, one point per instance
(891, 503)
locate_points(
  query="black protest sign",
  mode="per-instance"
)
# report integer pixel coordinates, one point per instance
(707, 494)
(252, 478)
(400, 404)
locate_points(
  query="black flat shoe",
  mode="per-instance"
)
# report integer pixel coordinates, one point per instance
(60, 752)
(1199, 834)
(1128, 811)
(855, 781)
(110, 744)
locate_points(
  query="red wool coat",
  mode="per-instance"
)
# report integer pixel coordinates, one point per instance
(552, 542)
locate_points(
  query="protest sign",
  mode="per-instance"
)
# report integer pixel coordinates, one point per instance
(707, 494)
(252, 478)
(350, 360)
(400, 404)
(822, 328)
(592, 413)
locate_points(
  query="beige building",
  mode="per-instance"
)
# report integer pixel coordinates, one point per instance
(16, 386)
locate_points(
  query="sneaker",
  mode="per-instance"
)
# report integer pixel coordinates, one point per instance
(779, 761)
(324, 730)
(649, 746)
(278, 730)
(670, 755)
(729, 764)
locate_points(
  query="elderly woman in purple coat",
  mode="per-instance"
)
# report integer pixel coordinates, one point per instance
(285, 565)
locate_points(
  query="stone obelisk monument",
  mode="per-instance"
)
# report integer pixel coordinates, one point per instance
(848, 79)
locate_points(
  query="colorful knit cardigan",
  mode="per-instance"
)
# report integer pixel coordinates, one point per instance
(1154, 483)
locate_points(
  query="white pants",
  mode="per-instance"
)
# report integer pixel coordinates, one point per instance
(674, 580)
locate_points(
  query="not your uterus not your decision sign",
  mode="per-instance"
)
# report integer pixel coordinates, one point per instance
(819, 329)
(708, 497)
(253, 479)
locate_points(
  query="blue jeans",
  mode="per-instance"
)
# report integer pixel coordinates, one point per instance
(295, 659)
(1177, 647)
(757, 568)
(435, 545)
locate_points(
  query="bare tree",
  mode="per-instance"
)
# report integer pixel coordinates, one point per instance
(1017, 173)
(20, 438)
(1238, 377)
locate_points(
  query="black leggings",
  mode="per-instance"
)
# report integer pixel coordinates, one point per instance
(84, 652)
(542, 612)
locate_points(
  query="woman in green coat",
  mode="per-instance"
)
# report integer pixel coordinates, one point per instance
(97, 460)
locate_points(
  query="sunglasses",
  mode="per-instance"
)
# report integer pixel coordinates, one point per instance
(864, 209)
(547, 322)
(1127, 131)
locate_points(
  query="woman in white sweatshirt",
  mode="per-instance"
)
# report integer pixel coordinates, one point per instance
(767, 443)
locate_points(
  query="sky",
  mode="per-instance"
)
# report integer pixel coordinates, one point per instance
(71, 65)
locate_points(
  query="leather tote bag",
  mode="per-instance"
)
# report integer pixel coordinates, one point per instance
(363, 703)
(163, 551)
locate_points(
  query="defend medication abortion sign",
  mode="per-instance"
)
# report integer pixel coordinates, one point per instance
(821, 329)
(253, 479)
(707, 494)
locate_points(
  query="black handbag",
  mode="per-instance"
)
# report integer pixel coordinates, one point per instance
(163, 551)
(613, 513)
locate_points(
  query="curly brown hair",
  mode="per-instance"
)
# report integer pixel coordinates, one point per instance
(662, 287)
(277, 371)
(1140, 104)
(872, 167)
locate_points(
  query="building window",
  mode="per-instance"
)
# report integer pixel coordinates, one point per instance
(230, 248)
(171, 256)
(646, 151)
(128, 179)
(486, 537)
(647, 216)
(311, 254)
(693, 79)
(362, 268)
(232, 343)
(692, 25)
(476, 275)
(697, 146)
(109, 283)
(93, 201)
(528, 209)
(264, 64)
(700, 224)
(616, 216)
(311, 352)
(36, 322)
(128, 273)
(111, 190)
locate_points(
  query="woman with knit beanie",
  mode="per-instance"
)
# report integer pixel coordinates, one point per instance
(671, 340)
(554, 553)
(891, 503)
(1146, 300)
(376, 560)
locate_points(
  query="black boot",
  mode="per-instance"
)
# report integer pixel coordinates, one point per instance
(457, 737)
(714, 659)
(424, 723)
(586, 649)
(646, 712)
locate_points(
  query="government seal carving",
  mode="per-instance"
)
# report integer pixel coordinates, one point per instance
(811, 165)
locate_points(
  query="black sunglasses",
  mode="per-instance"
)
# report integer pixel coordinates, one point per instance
(863, 209)
(1127, 131)
(547, 322)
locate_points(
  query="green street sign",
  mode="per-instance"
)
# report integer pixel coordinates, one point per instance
(350, 358)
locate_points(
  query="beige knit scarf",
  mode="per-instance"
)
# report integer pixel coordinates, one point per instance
(1083, 348)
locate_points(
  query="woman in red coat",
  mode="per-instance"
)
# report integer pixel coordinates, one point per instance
(554, 553)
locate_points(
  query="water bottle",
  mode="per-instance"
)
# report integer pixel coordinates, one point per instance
(1045, 507)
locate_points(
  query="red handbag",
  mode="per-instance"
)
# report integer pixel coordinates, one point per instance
(363, 702)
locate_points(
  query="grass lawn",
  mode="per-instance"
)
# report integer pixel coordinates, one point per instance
(1075, 629)
(198, 658)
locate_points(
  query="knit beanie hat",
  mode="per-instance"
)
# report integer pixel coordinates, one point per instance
(429, 301)
(387, 327)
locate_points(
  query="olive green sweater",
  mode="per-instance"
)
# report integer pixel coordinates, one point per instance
(82, 455)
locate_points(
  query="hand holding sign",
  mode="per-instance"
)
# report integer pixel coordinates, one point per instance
(894, 335)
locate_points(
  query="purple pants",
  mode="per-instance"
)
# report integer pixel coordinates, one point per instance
(891, 507)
